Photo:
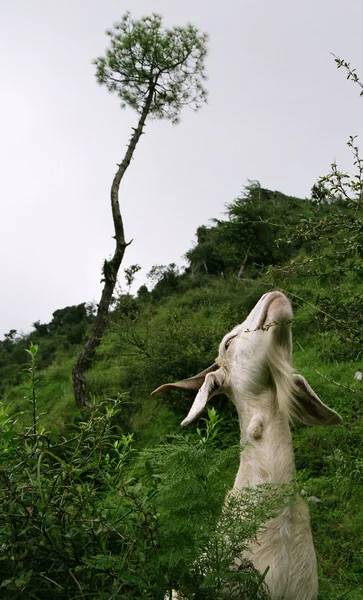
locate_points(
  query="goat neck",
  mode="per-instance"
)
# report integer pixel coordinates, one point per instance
(267, 455)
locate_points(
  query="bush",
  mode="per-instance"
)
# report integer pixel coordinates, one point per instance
(88, 516)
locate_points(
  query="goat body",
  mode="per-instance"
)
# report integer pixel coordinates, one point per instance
(254, 369)
(285, 545)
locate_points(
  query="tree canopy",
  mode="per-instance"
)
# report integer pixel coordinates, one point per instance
(146, 59)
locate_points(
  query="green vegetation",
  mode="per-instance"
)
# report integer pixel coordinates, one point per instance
(129, 458)
(88, 516)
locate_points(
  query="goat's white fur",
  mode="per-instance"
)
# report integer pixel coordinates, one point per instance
(254, 369)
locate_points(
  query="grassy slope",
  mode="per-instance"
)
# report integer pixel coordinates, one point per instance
(178, 336)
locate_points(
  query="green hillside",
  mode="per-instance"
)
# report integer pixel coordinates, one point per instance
(311, 250)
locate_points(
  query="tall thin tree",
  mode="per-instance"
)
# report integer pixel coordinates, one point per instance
(156, 71)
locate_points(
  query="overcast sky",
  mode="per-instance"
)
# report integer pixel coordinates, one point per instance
(278, 111)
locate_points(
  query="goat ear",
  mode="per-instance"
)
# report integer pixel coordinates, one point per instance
(193, 383)
(308, 407)
(213, 384)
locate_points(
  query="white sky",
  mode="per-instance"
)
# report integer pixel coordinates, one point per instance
(278, 111)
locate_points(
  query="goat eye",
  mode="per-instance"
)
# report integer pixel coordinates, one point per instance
(228, 342)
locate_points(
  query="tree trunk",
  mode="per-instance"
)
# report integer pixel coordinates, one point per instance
(243, 265)
(110, 269)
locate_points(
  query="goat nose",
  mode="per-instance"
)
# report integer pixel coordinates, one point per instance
(267, 300)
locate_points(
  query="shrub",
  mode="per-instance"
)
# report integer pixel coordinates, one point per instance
(88, 516)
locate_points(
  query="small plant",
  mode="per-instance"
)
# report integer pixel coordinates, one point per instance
(32, 387)
(348, 187)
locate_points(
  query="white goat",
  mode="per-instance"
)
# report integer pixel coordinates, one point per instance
(254, 368)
